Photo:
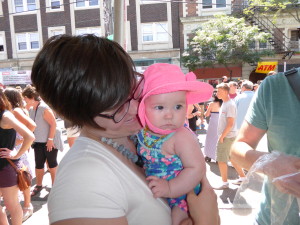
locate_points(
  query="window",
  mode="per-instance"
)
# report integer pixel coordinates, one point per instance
(294, 35)
(294, 41)
(155, 32)
(147, 33)
(89, 30)
(52, 31)
(31, 5)
(28, 41)
(55, 4)
(207, 4)
(148, 62)
(1, 44)
(24, 5)
(220, 3)
(86, 3)
(262, 44)
(1, 10)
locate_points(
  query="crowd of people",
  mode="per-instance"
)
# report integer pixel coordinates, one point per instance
(137, 159)
(26, 122)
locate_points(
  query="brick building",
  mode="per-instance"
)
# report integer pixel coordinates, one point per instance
(152, 29)
(156, 31)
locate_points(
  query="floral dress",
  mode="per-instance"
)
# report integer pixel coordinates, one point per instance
(160, 165)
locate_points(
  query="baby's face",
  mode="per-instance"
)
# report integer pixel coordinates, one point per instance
(166, 111)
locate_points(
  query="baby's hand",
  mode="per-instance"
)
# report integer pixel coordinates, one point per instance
(159, 187)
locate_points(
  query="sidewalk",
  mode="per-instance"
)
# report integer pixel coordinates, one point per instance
(228, 215)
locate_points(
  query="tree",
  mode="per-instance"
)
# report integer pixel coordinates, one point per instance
(275, 7)
(224, 40)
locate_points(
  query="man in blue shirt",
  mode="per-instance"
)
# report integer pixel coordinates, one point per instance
(242, 102)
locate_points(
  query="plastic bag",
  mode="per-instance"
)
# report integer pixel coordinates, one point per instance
(250, 194)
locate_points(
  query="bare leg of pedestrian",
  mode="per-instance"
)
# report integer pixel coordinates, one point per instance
(3, 216)
(10, 197)
(223, 170)
(238, 169)
(224, 174)
(53, 173)
(27, 207)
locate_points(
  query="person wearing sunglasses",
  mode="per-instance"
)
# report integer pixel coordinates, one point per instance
(91, 81)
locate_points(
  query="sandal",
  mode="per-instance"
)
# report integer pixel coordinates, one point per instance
(37, 189)
(27, 212)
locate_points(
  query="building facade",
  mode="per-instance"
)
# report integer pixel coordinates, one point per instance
(152, 28)
(284, 30)
(156, 31)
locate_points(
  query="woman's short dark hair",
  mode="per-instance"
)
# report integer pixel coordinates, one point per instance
(82, 76)
(31, 93)
(14, 97)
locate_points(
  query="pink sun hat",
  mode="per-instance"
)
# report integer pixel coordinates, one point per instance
(161, 78)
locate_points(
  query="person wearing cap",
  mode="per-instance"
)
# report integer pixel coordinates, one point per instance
(173, 161)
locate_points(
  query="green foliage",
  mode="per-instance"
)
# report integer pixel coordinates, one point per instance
(275, 7)
(224, 40)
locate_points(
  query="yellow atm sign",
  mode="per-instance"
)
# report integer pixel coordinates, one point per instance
(265, 67)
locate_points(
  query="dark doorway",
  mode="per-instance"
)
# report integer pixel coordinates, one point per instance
(254, 77)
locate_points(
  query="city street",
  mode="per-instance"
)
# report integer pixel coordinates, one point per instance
(228, 214)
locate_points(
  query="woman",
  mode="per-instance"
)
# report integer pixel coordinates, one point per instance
(91, 82)
(192, 115)
(15, 98)
(9, 125)
(43, 146)
(211, 135)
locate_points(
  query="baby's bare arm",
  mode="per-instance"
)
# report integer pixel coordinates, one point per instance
(187, 147)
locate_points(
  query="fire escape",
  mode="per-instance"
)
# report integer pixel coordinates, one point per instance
(278, 40)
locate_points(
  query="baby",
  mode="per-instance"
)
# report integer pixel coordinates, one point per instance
(172, 156)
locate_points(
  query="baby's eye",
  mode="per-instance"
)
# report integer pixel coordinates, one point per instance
(178, 107)
(159, 107)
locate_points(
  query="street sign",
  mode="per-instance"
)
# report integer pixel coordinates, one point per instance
(15, 77)
(265, 67)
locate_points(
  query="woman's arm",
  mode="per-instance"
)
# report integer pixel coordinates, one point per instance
(23, 118)
(207, 112)
(190, 110)
(189, 114)
(49, 117)
(204, 204)
(9, 121)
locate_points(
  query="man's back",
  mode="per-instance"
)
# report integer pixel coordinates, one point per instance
(242, 102)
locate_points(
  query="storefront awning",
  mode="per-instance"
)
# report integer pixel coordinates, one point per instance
(216, 73)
